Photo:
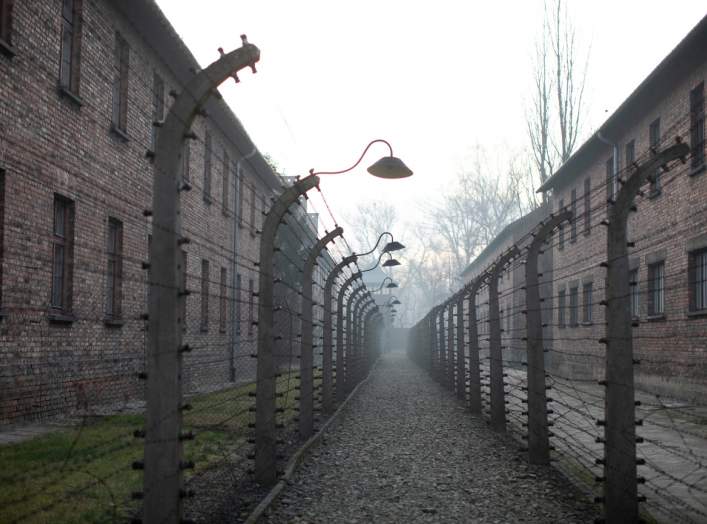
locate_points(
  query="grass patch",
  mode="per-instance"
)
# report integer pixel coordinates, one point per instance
(84, 474)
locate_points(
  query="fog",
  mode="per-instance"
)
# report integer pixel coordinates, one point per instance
(445, 84)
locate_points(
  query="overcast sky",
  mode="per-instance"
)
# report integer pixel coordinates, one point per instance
(433, 78)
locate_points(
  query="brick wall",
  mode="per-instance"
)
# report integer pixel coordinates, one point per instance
(671, 347)
(53, 144)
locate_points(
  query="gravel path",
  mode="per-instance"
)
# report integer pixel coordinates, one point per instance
(405, 450)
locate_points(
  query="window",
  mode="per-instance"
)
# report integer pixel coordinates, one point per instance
(630, 153)
(114, 270)
(251, 306)
(656, 287)
(121, 62)
(183, 303)
(204, 295)
(697, 276)
(574, 306)
(573, 224)
(263, 210)
(653, 143)
(561, 228)
(697, 126)
(226, 181)
(587, 206)
(561, 305)
(237, 302)
(207, 167)
(587, 302)
(186, 161)
(62, 255)
(6, 24)
(2, 226)
(634, 293)
(157, 106)
(610, 180)
(69, 65)
(223, 304)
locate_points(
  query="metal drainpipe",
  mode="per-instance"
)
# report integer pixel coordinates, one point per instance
(615, 162)
(236, 309)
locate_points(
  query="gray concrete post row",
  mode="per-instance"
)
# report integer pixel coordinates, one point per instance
(340, 349)
(474, 364)
(429, 350)
(498, 397)
(306, 399)
(538, 436)
(352, 357)
(265, 401)
(461, 356)
(328, 329)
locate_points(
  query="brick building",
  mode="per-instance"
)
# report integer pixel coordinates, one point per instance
(668, 257)
(511, 300)
(81, 84)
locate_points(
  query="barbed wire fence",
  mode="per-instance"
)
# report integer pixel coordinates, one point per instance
(83, 424)
(558, 321)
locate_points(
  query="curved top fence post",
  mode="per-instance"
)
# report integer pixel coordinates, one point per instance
(538, 442)
(163, 448)
(265, 438)
(498, 405)
(620, 487)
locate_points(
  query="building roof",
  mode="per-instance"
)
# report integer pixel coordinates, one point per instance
(686, 56)
(154, 28)
(511, 232)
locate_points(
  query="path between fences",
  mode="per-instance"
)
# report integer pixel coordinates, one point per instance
(405, 450)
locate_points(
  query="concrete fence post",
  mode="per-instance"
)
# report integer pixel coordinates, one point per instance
(474, 367)
(368, 337)
(340, 350)
(265, 434)
(163, 463)
(442, 366)
(620, 486)
(354, 362)
(306, 398)
(432, 341)
(461, 357)
(327, 335)
(498, 401)
(538, 441)
(349, 353)
(451, 346)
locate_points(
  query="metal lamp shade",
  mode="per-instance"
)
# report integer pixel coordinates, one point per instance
(393, 246)
(390, 263)
(390, 167)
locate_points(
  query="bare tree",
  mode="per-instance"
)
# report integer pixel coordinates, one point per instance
(419, 281)
(483, 201)
(554, 118)
(369, 221)
(569, 81)
(538, 116)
